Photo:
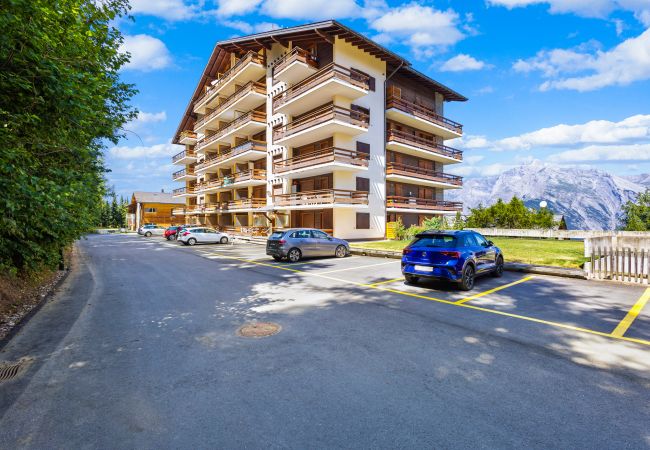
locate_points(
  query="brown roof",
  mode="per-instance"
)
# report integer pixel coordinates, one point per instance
(157, 197)
(325, 31)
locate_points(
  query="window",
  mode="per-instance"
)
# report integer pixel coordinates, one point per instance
(362, 147)
(435, 241)
(363, 221)
(363, 184)
(467, 240)
(150, 210)
(319, 234)
(277, 235)
(480, 240)
(302, 234)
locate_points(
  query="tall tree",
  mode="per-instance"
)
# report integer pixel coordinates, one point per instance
(637, 213)
(61, 99)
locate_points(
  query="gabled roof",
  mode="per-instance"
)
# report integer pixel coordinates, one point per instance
(157, 197)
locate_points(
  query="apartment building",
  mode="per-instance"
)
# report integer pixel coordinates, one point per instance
(314, 126)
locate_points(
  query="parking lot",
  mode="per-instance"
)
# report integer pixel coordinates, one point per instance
(144, 344)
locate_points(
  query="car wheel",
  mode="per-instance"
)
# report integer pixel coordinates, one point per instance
(341, 251)
(411, 279)
(294, 255)
(498, 270)
(191, 241)
(467, 281)
(277, 258)
(224, 240)
(147, 234)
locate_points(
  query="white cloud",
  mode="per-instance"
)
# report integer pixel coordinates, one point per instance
(249, 28)
(172, 10)
(611, 153)
(585, 8)
(626, 63)
(153, 151)
(145, 117)
(229, 8)
(425, 29)
(310, 9)
(462, 62)
(147, 53)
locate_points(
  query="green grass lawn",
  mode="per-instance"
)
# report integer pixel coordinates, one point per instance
(545, 252)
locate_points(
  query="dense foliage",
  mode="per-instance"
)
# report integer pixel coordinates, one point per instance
(637, 213)
(60, 99)
(432, 223)
(113, 212)
(513, 214)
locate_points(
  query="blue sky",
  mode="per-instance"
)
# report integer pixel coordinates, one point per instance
(563, 82)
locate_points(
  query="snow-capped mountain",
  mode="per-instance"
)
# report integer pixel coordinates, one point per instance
(589, 199)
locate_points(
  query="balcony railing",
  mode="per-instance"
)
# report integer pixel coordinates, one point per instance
(235, 151)
(421, 173)
(255, 116)
(324, 156)
(244, 203)
(187, 134)
(331, 71)
(178, 211)
(227, 103)
(181, 173)
(321, 197)
(247, 231)
(297, 54)
(228, 74)
(322, 115)
(183, 154)
(179, 191)
(237, 177)
(423, 113)
(394, 201)
(423, 143)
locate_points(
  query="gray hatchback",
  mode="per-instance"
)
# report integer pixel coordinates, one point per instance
(298, 243)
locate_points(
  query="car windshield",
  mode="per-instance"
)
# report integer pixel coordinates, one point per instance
(435, 241)
(277, 235)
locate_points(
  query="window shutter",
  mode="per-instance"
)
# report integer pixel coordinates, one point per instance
(363, 184)
(363, 221)
(371, 84)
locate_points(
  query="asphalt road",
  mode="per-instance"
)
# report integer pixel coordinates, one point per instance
(140, 350)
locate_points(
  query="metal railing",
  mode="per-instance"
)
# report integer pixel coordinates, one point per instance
(183, 154)
(422, 112)
(423, 143)
(230, 153)
(179, 191)
(406, 170)
(395, 201)
(181, 173)
(297, 54)
(321, 197)
(255, 116)
(325, 114)
(331, 71)
(324, 156)
(249, 87)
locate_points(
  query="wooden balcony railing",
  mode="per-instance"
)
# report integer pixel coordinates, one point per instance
(324, 156)
(229, 74)
(246, 231)
(423, 143)
(423, 174)
(242, 148)
(422, 112)
(249, 87)
(297, 54)
(188, 134)
(394, 201)
(183, 154)
(244, 203)
(331, 71)
(178, 211)
(237, 177)
(254, 116)
(179, 191)
(322, 197)
(322, 115)
(181, 173)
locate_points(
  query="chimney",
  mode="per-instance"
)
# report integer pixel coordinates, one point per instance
(162, 190)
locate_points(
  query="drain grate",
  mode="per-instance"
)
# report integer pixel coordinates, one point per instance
(10, 370)
(259, 329)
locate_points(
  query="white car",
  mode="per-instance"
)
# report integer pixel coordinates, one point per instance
(150, 230)
(200, 235)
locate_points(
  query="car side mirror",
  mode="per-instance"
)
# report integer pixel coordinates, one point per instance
(490, 243)
(329, 238)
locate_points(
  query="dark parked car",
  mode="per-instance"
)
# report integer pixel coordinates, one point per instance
(297, 243)
(173, 231)
(458, 256)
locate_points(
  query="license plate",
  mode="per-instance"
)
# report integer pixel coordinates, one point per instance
(423, 268)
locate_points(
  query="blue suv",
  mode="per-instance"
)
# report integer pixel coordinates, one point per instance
(457, 256)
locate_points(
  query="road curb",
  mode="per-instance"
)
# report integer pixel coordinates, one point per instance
(509, 266)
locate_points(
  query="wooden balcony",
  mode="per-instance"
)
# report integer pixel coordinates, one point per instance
(243, 204)
(178, 192)
(247, 231)
(184, 157)
(184, 174)
(178, 211)
(249, 123)
(406, 173)
(251, 177)
(397, 203)
(250, 67)
(249, 96)
(332, 80)
(321, 198)
(242, 152)
(324, 161)
(295, 65)
(188, 137)
(421, 117)
(320, 124)
(415, 145)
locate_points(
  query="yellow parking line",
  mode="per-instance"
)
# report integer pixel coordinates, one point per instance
(481, 294)
(632, 314)
(386, 282)
(447, 302)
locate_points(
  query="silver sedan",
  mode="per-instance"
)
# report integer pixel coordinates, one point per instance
(297, 243)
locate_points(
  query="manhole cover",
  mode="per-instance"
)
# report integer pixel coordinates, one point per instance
(10, 370)
(259, 329)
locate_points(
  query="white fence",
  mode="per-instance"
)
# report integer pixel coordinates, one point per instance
(619, 264)
(557, 234)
